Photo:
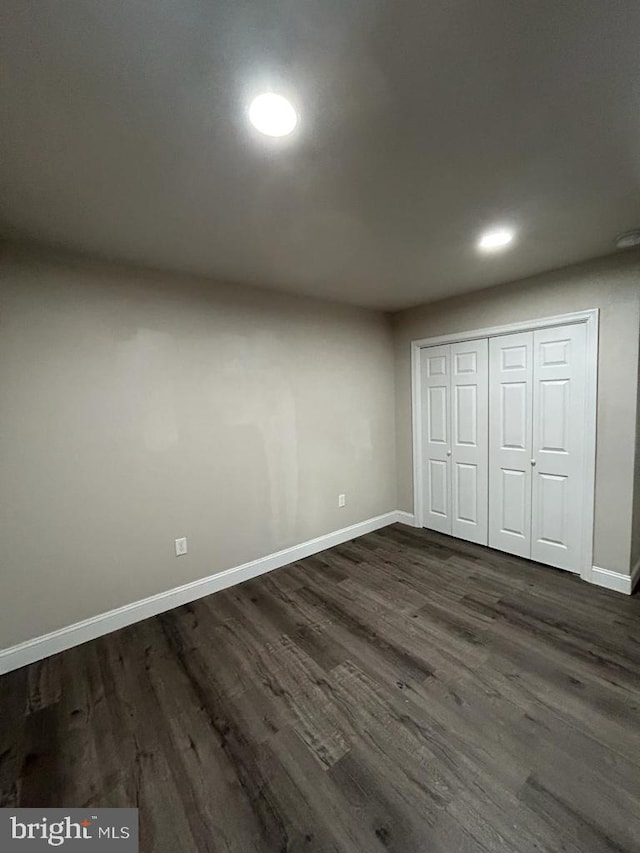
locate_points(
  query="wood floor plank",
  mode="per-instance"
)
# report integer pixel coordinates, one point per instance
(13, 690)
(404, 691)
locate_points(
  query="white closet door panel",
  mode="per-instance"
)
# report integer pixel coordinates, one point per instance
(438, 497)
(437, 405)
(558, 445)
(469, 440)
(436, 439)
(510, 437)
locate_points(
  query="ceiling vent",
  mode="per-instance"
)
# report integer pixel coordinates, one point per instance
(628, 240)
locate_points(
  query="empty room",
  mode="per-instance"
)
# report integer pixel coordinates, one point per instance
(320, 426)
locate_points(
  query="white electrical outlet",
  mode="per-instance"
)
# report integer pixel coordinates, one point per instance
(342, 500)
(181, 546)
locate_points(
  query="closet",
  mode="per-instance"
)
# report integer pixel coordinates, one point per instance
(502, 432)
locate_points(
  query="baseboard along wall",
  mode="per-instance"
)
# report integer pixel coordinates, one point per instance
(41, 647)
(616, 580)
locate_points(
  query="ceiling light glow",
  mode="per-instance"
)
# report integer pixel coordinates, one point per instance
(497, 238)
(272, 115)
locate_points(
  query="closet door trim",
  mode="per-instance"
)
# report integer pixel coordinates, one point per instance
(590, 319)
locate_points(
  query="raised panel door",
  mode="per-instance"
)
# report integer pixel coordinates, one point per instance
(510, 437)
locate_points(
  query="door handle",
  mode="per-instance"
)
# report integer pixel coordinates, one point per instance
(448, 453)
(533, 461)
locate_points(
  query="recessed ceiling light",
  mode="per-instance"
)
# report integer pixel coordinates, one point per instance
(628, 240)
(496, 239)
(272, 115)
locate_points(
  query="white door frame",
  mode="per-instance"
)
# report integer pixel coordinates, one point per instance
(590, 319)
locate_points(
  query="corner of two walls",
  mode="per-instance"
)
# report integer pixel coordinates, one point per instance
(139, 407)
(610, 284)
(635, 540)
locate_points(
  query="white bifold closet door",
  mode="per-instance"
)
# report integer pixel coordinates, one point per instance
(436, 437)
(536, 444)
(455, 439)
(559, 389)
(510, 436)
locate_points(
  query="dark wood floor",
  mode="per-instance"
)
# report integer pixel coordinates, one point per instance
(405, 692)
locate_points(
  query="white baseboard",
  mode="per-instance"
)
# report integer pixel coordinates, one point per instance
(89, 629)
(406, 518)
(615, 580)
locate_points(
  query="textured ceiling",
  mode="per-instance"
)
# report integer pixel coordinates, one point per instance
(124, 134)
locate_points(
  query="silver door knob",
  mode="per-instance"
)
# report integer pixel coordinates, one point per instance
(533, 461)
(448, 453)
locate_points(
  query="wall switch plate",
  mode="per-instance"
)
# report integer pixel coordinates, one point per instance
(342, 500)
(181, 546)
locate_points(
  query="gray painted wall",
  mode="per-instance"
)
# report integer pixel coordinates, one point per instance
(613, 286)
(138, 408)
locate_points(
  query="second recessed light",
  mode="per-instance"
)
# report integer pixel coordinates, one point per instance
(496, 239)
